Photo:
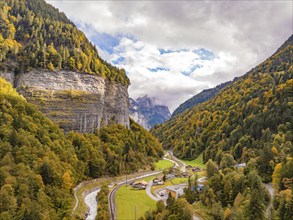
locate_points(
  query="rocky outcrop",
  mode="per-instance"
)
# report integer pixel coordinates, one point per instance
(136, 115)
(147, 113)
(75, 101)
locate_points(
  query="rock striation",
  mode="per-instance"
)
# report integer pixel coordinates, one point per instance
(75, 101)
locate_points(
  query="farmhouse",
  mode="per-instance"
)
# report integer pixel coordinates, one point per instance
(158, 181)
(186, 174)
(139, 185)
(202, 180)
(170, 176)
(188, 166)
(175, 191)
(195, 169)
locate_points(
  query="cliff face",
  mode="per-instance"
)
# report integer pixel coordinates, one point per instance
(75, 101)
(136, 115)
(146, 113)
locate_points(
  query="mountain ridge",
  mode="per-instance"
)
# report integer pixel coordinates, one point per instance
(147, 113)
(199, 98)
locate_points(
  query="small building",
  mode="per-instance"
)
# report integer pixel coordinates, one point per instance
(188, 166)
(186, 174)
(175, 191)
(170, 176)
(240, 165)
(158, 181)
(196, 169)
(202, 180)
(139, 185)
(199, 187)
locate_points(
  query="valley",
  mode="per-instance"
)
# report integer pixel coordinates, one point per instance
(74, 144)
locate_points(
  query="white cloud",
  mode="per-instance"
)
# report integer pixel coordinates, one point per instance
(241, 34)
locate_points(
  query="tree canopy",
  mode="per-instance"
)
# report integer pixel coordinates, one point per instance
(33, 34)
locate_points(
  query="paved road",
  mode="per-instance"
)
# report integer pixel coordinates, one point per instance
(149, 193)
(182, 164)
(175, 164)
(112, 195)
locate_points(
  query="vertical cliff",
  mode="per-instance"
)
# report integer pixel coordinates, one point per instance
(75, 101)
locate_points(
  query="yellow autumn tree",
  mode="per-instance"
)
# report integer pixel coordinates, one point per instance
(50, 66)
(277, 176)
(67, 180)
(274, 150)
(227, 214)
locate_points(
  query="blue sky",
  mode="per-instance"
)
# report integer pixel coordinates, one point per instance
(173, 50)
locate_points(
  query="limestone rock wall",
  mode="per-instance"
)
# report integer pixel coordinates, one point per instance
(75, 101)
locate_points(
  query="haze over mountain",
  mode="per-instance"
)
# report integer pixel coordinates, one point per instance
(147, 113)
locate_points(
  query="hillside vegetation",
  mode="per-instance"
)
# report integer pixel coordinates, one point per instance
(34, 34)
(201, 97)
(252, 119)
(40, 165)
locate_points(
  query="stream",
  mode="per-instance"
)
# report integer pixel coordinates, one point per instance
(91, 202)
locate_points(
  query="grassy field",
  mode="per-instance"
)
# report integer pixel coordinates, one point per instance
(196, 162)
(130, 201)
(149, 178)
(81, 209)
(163, 164)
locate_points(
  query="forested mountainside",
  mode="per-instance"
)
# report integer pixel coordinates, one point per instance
(33, 34)
(251, 119)
(40, 165)
(201, 97)
(55, 67)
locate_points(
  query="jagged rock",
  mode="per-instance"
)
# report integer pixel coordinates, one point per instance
(146, 113)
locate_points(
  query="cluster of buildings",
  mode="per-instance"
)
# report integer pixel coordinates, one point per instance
(193, 169)
(175, 190)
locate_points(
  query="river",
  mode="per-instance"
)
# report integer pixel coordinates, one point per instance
(91, 202)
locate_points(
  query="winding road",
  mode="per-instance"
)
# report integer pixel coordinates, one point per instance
(111, 199)
(149, 193)
(112, 195)
(177, 161)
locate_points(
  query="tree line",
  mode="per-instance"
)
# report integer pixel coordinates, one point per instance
(33, 34)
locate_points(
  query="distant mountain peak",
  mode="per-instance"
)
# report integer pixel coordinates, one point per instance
(147, 111)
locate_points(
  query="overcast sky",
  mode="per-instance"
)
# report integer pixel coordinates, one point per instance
(171, 50)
